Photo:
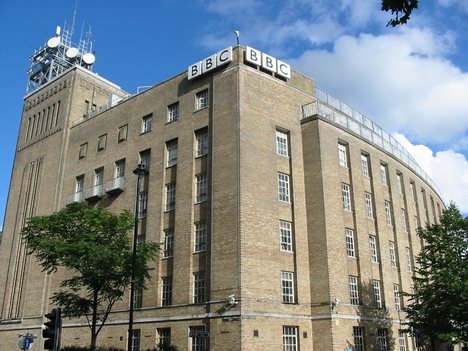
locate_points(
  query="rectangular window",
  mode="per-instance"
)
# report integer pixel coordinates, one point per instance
(358, 336)
(346, 197)
(416, 222)
(173, 112)
(377, 296)
(353, 290)
(79, 187)
(201, 137)
(136, 340)
(391, 246)
(283, 187)
(198, 339)
(164, 337)
(122, 134)
(373, 249)
(166, 293)
(399, 183)
(383, 174)
(388, 212)
(282, 148)
(369, 207)
(396, 296)
(170, 196)
(202, 188)
(285, 236)
(342, 155)
(413, 191)
(138, 297)
(168, 243)
(287, 286)
(382, 339)
(147, 123)
(145, 159)
(290, 338)
(199, 287)
(201, 99)
(402, 340)
(403, 219)
(120, 168)
(409, 259)
(172, 150)
(200, 236)
(365, 165)
(99, 176)
(83, 151)
(350, 251)
(102, 141)
(142, 204)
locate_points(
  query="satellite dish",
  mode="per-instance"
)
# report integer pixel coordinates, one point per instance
(53, 42)
(72, 53)
(89, 58)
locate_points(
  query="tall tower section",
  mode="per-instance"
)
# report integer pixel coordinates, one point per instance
(61, 92)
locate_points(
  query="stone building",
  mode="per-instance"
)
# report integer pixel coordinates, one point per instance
(287, 219)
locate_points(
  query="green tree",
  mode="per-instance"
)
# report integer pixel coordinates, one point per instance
(400, 9)
(438, 307)
(93, 245)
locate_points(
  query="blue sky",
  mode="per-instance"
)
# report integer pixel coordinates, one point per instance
(411, 80)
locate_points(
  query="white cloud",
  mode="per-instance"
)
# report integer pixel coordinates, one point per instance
(448, 170)
(400, 80)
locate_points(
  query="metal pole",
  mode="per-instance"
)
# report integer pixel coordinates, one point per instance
(139, 171)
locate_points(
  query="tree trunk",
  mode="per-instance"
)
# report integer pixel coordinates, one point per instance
(93, 323)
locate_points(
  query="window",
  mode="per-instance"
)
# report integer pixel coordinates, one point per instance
(365, 165)
(350, 251)
(138, 297)
(83, 151)
(413, 191)
(388, 212)
(403, 219)
(402, 340)
(377, 296)
(142, 204)
(120, 169)
(287, 285)
(173, 112)
(79, 186)
(396, 296)
(399, 183)
(102, 141)
(201, 99)
(342, 155)
(198, 339)
(202, 188)
(200, 236)
(283, 187)
(136, 340)
(369, 209)
(290, 338)
(353, 290)
(282, 144)
(199, 287)
(98, 176)
(172, 148)
(166, 293)
(145, 159)
(201, 137)
(409, 259)
(122, 134)
(164, 337)
(147, 123)
(168, 243)
(383, 174)
(382, 339)
(285, 236)
(373, 249)
(170, 196)
(416, 222)
(346, 197)
(391, 246)
(358, 336)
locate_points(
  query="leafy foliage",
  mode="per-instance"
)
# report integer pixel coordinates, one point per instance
(400, 9)
(439, 304)
(93, 245)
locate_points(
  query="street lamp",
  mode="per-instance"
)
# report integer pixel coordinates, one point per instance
(140, 172)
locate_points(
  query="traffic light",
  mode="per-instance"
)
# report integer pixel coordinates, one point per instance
(53, 329)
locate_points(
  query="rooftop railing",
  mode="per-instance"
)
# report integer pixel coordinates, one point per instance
(342, 114)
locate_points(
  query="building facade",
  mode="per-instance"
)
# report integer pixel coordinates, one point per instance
(287, 220)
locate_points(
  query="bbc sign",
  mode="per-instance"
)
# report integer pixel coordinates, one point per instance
(267, 62)
(221, 58)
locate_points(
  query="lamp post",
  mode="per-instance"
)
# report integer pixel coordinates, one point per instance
(140, 172)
